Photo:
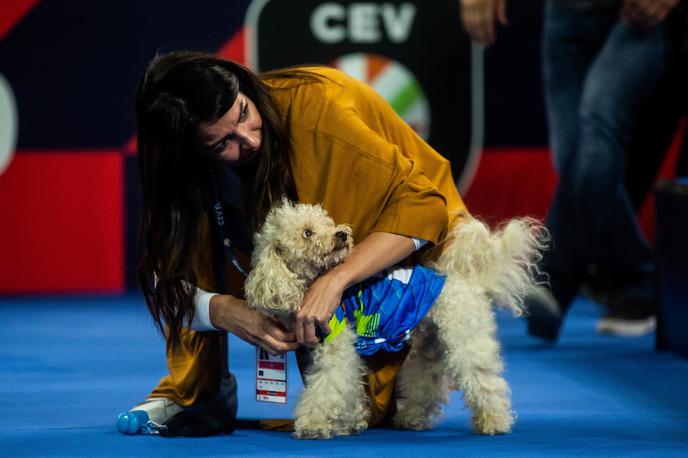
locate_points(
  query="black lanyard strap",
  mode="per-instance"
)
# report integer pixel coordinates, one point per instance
(221, 223)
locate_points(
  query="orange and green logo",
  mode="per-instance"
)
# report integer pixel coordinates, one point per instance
(395, 83)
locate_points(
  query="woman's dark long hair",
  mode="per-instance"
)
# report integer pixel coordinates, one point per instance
(179, 91)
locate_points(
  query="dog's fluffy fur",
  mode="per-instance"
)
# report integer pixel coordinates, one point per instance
(454, 345)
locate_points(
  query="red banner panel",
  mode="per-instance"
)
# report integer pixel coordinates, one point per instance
(61, 224)
(512, 182)
(11, 12)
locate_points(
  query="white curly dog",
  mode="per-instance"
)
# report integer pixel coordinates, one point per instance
(454, 345)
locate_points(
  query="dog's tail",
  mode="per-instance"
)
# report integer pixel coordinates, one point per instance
(503, 262)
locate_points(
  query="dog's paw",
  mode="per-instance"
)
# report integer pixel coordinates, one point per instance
(313, 432)
(493, 422)
(413, 419)
(358, 427)
(303, 430)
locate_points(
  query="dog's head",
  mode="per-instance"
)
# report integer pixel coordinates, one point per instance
(296, 243)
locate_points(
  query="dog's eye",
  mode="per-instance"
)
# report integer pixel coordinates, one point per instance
(307, 233)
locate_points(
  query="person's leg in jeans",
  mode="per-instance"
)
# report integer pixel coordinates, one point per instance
(623, 74)
(590, 154)
(571, 41)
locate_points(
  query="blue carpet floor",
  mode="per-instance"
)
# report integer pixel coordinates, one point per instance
(68, 366)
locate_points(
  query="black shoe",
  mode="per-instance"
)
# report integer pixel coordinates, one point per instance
(207, 418)
(544, 314)
(547, 305)
(629, 318)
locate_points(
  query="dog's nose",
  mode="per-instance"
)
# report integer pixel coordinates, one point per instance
(341, 236)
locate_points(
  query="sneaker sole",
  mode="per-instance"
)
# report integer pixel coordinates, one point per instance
(626, 328)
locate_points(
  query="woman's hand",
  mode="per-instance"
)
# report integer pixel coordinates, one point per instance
(233, 315)
(373, 254)
(646, 13)
(479, 18)
(319, 303)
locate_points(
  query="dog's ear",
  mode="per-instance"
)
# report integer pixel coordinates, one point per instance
(271, 287)
(284, 203)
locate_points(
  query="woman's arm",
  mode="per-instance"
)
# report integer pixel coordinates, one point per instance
(201, 320)
(233, 315)
(373, 254)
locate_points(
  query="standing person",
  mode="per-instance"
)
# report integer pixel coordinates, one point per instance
(601, 60)
(312, 134)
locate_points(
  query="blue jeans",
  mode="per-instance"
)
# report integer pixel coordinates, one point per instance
(597, 73)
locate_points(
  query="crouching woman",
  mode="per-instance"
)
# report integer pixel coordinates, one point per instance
(214, 135)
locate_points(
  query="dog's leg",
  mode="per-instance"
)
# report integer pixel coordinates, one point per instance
(333, 402)
(421, 383)
(467, 328)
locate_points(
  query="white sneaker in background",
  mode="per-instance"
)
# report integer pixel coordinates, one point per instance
(629, 318)
(627, 327)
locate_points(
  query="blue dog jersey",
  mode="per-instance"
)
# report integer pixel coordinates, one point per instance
(385, 309)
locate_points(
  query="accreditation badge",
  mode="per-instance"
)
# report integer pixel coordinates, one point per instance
(271, 377)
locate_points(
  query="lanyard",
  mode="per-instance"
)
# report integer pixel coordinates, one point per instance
(220, 223)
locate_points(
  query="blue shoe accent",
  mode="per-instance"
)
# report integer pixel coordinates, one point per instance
(133, 422)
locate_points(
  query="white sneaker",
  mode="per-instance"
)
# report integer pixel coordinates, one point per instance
(152, 415)
(627, 327)
(159, 410)
(631, 317)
